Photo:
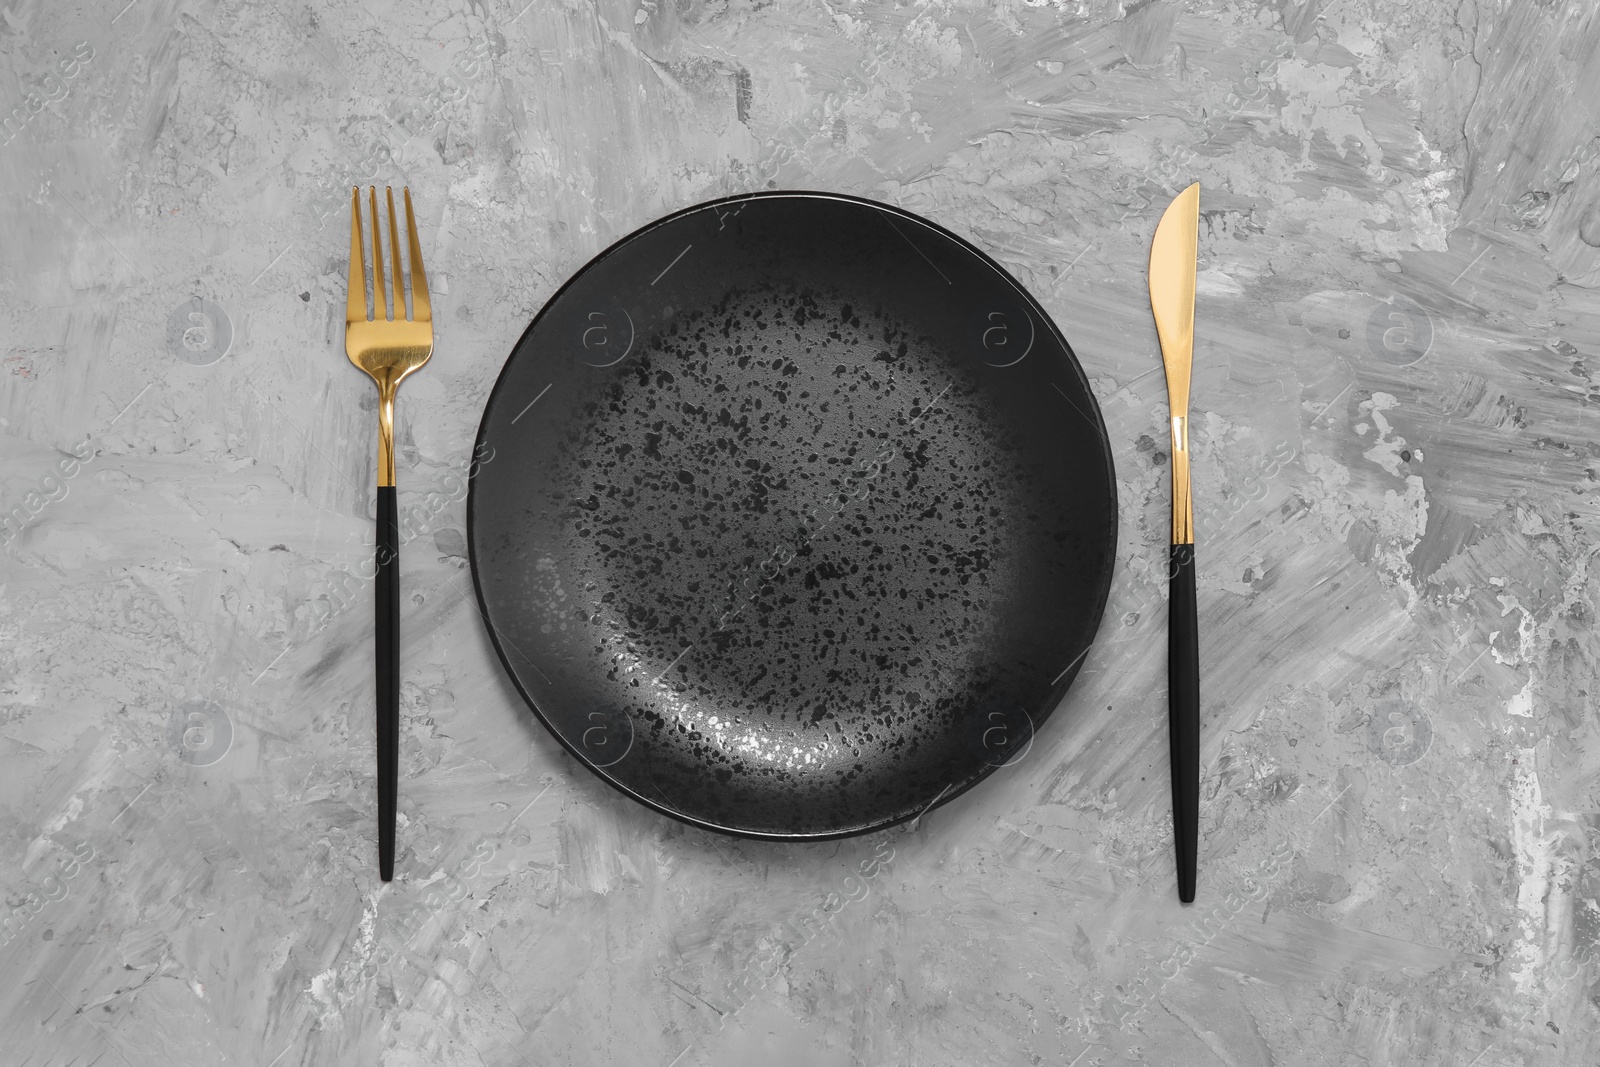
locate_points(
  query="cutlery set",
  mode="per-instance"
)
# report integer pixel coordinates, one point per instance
(769, 627)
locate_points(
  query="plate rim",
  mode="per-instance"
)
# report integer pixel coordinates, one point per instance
(1059, 689)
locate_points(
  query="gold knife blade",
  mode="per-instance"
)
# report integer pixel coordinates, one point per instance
(1173, 253)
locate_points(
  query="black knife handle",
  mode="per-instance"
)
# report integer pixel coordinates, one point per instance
(1183, 715)
(386, 597)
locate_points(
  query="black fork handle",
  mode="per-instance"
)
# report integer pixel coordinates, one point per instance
(386, 597)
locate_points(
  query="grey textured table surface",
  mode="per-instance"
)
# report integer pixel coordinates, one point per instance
(1395, 463)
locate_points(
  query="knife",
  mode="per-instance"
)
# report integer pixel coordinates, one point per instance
(1172, 269)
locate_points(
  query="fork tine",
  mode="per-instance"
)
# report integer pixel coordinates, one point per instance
(421, 307)
(356, 295)
(380, 309)
(394, 248)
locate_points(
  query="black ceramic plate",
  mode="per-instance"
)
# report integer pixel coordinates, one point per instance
(793, 515)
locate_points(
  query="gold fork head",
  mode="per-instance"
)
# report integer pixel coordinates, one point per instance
(384, 342)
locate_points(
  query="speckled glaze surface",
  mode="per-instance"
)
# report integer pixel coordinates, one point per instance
(794, 515)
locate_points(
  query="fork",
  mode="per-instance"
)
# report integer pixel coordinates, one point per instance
(388, 347)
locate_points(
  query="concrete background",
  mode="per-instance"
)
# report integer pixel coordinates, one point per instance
(1395, 469)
